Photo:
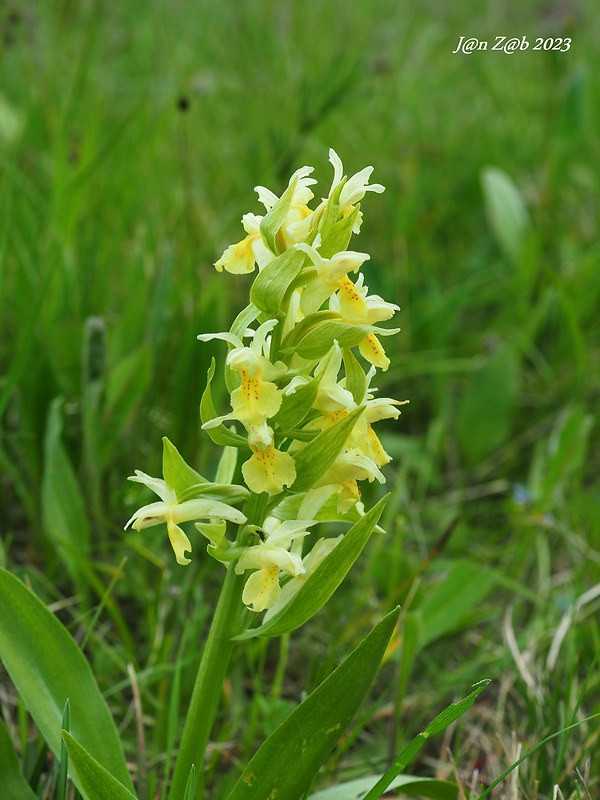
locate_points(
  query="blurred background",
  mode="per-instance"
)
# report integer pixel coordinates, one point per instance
(131, 136)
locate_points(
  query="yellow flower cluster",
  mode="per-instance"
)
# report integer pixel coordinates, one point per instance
(297, 388)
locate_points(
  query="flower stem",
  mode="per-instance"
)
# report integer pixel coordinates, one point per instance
(227, 622)
(209, 682)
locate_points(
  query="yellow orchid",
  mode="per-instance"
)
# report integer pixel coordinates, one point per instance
(269, 469)
(317, 555)
(354, 189)
(296, 224)
(332, 275)
(171, 512)
(270, 558)
(242, 257)
(257, 398)
(347, 469)
(366, 309)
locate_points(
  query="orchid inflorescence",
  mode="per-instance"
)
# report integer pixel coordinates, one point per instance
(309, 432)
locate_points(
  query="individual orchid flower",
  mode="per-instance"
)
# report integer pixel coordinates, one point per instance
(369, 310)
(269, 469)
(242, 257)
(332, 275)
(270, 558)
(317, 555)
(257, 398)
(376, 409)
(171, 512)
(296, 224)
(354, 189)
(347, 469)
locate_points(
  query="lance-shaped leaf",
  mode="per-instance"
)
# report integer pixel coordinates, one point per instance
(296, 406)
(315, 459)
(220, 435)
(272, 282)
(286, 764)
(340, 235)
(317, 342)
(506, 211)
(448, 715)
(318, 587)
(176, 472)
(274, 219)
(306, 325)
(96, 782)
(47, 668)
(13, 785)
(245, 318)
(356, 380)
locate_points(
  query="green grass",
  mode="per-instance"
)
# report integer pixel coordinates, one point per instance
(115, 202)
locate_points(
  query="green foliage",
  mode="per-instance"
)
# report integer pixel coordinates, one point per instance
(96, 782)
(323, 582)
(319, 454)
(488, 404)
(12, 782)
(506, 211)
(273, 281)
(287, 762)
(30, 636)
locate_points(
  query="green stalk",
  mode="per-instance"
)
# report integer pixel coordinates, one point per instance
(209, 681)
(213, 667)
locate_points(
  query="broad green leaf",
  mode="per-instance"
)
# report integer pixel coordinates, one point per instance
(63, 509)
(272, 282)
(227, 465)
(47, 668)
(356, 380)
(506, 211)
(220, 435)
(448, 715)
(338, 237)
(227, 492)
(447, 605)
(177, 474)
(296, 406)
(245, 318)
(487, 408)
(315, 459)
(318, 587)
(317, 342)
(13, 785)
(289, 508)
(286, 764)
(95, 780)
(303, 328)
(408, 784)
(273, 219)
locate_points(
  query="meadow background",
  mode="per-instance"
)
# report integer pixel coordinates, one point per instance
(131, 136)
